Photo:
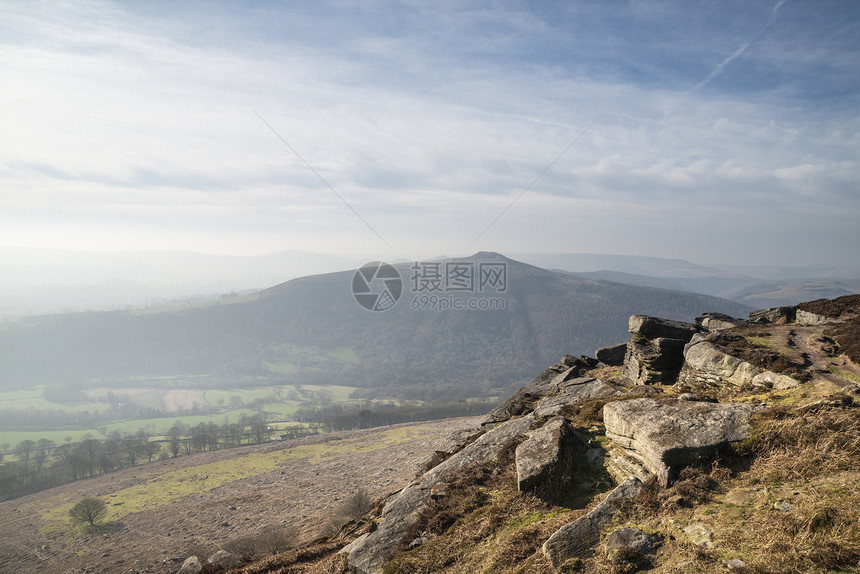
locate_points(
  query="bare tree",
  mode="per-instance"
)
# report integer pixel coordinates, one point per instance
(277, 540)
(150, 449)
(132, 448)
(88, 511)
(357, 505)
(174, 438)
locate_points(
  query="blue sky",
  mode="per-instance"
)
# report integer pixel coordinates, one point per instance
(720, 132)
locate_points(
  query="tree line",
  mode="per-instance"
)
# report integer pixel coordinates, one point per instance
(42, 464)
(37, 465)
(341, 418)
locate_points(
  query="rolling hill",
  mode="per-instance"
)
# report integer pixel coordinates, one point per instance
(311, 330)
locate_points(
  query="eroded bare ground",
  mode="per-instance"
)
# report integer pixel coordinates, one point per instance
(807, 345)
(303, 492)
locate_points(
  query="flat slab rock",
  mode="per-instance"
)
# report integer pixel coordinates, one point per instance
(664, 436)
(571, 392)
(612, 355)
(545, 384)
(719, 321)
(655, 327)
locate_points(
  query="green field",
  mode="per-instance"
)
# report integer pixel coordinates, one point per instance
(34, 398)
(275, 402)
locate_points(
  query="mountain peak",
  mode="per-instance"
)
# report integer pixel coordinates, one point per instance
(490, 256)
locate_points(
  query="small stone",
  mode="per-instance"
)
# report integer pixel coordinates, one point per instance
(630, 546)
(734, 564)
(699, 534)
(223, 559)
(191, 565)
(439, 490)
(783, 506)
(420, 541)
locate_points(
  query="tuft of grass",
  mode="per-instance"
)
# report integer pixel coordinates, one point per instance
(789, 444)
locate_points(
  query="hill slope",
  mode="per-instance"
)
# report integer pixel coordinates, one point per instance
(161, 512)
(311, 330)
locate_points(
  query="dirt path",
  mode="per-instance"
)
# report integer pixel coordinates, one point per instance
(301, 491)
(807, 345)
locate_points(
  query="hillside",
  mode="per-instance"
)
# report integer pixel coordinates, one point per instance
(161, 512)
(312, 331)
(727, 466)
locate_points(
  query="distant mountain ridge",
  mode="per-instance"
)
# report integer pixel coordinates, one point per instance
(311, 330)
(756, 286)
(43, 281)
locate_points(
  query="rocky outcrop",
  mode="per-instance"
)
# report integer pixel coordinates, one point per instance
(719, 321)
(403, 509)
(649, 437)
(570, 393)
(548, 383)
(706, 362)
(191, 565)
(544, 459)
(660, 437)
(575, 538)
(780, 315)
(775, 315)
(655, 352)
(612, 355)
(806, 318)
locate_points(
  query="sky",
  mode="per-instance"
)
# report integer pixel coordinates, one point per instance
(716, 131)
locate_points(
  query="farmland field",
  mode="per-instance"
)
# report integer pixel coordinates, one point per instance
(101, 410)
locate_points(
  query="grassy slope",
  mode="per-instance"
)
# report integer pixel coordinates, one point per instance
(168, 486)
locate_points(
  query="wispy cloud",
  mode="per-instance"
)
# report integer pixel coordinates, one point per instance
(719, 69)
(737, 53)
(429, 120)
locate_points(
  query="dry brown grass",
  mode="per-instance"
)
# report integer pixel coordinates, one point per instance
(794, 445)
(847, 336)
(811, 459)
(820, 532)
(841, 307)
(480, 526)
